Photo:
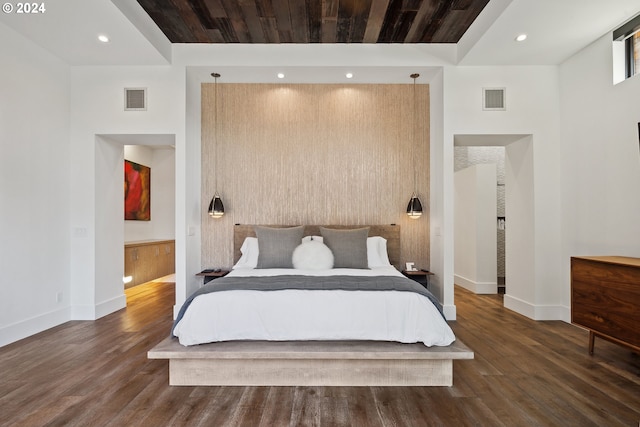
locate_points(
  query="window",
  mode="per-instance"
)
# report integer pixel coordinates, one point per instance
(626, 50)
(635, 54)
(632, 55)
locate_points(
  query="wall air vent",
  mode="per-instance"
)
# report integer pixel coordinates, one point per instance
(493, 99)
(135, 99)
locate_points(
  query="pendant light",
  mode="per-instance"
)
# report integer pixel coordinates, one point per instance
(414, 208)
(216, 208)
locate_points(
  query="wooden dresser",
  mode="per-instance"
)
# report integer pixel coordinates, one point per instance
(147, 260)
(605, 298)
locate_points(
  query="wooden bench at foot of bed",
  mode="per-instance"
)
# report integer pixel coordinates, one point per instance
(310, 363)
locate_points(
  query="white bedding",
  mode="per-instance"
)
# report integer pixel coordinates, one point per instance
(292, 315)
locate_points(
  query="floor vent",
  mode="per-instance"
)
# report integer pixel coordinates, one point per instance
(135, 99)
(493, 99)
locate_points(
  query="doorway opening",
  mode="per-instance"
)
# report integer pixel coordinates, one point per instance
(113, 234)
(466, 157)
(504, 192)
(149, 249)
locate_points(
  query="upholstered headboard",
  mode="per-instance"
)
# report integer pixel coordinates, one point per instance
(390, 232)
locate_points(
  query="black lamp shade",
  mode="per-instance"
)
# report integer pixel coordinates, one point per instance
(414, 208)
(216, 208)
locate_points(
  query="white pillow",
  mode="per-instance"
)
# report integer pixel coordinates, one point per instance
(250, 251)
(377, 255)
(312, 255)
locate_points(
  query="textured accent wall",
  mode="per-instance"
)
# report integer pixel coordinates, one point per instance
(314, 154)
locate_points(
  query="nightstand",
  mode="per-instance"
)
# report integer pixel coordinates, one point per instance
(210, 274)
(420, 276)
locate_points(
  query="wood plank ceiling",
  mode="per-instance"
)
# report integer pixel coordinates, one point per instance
(313, 21)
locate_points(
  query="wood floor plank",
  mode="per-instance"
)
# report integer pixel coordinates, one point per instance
(278, 407)
(361, 406)
(335, 406)
(524, 373)
(305, 410)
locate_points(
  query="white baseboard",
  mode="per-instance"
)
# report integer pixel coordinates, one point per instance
(26, 328)
(34, 325)
(111, 306)
(476, 287)
(83, 312)
(93, 312)
(449, 312)
(537, 312)
(519, 306)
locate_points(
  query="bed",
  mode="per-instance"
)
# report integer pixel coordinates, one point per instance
(284, 317)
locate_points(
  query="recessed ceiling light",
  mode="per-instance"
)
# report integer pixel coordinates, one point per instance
(281, 75)
(521, 38)
(349, 75)
(103, 38)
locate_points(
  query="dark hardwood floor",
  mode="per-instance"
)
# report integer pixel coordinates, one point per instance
(525, 373)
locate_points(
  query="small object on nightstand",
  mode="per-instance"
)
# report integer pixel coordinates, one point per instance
(421, 276)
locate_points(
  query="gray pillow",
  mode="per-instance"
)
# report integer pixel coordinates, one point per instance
(349, 247)
(276, 246)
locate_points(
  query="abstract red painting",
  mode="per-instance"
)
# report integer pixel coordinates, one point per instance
(137, 191)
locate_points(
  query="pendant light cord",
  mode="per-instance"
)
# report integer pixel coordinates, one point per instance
(414, 137)
(215, 134)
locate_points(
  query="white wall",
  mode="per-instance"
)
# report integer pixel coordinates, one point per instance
(98, 109)
(35, 231)
(109, 205)
(521, 238)
(475, 237)
(441, 283)
(161, 160)
(163, 180)
(189, 178)
(600, 159)
(532, 108)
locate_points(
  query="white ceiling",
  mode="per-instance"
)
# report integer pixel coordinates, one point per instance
(69, 29)
(556, 28)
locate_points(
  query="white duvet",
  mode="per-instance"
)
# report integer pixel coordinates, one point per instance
(293, 315)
